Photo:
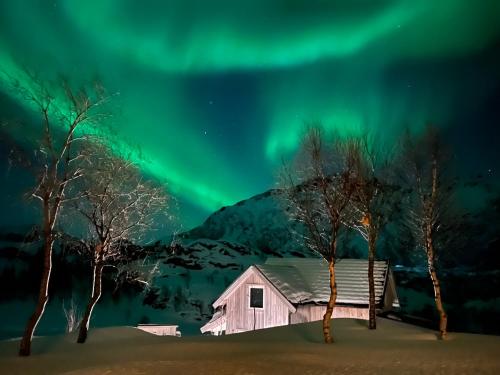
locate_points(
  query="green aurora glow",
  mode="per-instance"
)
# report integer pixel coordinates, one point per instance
(215, 93)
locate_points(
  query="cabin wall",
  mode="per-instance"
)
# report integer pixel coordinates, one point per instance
(311, 313)
(240, 317)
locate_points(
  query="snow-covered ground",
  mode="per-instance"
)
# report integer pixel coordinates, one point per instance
(394, 348)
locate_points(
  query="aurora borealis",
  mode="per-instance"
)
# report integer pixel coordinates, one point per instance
(215, 93)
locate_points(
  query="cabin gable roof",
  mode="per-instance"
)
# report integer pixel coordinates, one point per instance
(241, 280)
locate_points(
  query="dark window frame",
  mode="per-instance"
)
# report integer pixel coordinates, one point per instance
(253, 302)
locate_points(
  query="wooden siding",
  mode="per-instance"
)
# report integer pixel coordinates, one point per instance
(240, 317)
(311, 313)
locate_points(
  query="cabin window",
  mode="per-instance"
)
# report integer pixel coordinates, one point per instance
(257, 297)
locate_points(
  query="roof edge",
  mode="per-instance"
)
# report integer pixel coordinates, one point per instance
(239, 280)
(229, 290)
(290, 305)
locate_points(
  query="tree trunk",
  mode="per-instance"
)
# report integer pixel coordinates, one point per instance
(96, 294)
(443, 318)
(43, 295)
(372, 320)
(331, 303)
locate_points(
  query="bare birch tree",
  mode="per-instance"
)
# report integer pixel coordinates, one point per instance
(370, 204)
(118, 206)
(67, 118)
(423, 169)
(319, 190)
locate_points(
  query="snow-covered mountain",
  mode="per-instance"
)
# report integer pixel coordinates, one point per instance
(259, 223)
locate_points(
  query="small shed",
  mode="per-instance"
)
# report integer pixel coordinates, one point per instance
(296, 290)
(160, 329)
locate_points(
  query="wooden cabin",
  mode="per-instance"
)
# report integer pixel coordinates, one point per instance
(286, 291)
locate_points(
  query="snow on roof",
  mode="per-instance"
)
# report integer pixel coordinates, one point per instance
(303, 280)
(288, 281)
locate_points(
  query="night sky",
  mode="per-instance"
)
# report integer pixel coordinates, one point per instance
(215, 93)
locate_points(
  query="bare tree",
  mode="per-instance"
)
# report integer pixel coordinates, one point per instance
(68, 117)
(129, 270)
(423, 170)
(118, 206)
(370, 204)
(319, 190)
(72, 315)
